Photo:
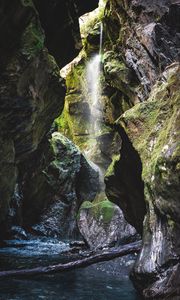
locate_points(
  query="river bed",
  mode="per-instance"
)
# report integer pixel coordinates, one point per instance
(106, 281)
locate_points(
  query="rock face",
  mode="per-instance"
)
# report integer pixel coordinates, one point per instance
(139, 32)
(141, 42)
(77, 120)
(65, 189)
(102, 224)
(31, 90)
(156, 139)
(151, 129)
(101, 145)
(124, 185)
(59, 20)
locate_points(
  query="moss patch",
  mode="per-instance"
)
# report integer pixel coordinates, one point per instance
(111, 169)
(32, 39)
(100, 209)
(150, 124)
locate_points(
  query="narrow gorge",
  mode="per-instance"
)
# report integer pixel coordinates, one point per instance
(90, 149)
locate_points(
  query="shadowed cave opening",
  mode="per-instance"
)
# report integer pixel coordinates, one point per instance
(126, 187)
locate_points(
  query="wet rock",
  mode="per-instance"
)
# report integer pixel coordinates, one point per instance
(31, 90)
(153, 128)
(102, 224)
(77, 120)
(77, 244)
(7, 177)
(118, 75)
(145, 39)
(68, 179)
(124, 185)
(18, 232)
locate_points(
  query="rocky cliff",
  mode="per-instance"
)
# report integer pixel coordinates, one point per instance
(140, 106)
(31, 90)
(141, 61)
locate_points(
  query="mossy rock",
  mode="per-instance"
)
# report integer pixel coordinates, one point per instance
(154, 126)
(111, 169)
(101, 209)
(102, 223)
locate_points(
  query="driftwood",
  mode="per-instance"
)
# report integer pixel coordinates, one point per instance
(103, 256)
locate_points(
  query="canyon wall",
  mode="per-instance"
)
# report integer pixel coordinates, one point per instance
(31, 90)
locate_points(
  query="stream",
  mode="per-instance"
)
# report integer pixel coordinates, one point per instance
(105, 280)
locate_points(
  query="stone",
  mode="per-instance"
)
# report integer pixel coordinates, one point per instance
(153, 128)
(124, 184)
(102, 224)
(31, 89)
(7, 178)
(69, 179)
(145, 39)
(76, 120)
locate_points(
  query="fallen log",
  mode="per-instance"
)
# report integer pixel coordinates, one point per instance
(103, 256)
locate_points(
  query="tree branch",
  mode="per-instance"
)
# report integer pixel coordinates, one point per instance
(104, 256)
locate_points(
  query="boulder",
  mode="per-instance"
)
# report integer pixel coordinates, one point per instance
(102, 224)
(68, 179)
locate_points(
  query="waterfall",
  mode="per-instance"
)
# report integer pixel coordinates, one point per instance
(93, 74)
(93, 89)
(101, 39)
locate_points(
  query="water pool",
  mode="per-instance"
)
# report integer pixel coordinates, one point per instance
(103, 281)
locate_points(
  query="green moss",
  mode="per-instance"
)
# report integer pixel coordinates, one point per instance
(32, 39)
(111, 169)
(100, 209)
(154, 129)
(74, 79)
(86, 205)
(61, 123)
(171, 223)
(92, 24)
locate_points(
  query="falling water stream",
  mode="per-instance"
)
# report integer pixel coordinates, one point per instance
(93, 75)
(94, 91)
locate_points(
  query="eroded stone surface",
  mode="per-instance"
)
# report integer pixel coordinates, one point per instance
(153, 128)
(66, 181)
(31, 90)
(102, 224)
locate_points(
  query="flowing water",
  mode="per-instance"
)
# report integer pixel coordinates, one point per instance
(103, 281)
(94, 90)
(93, 93)
(93, 74)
